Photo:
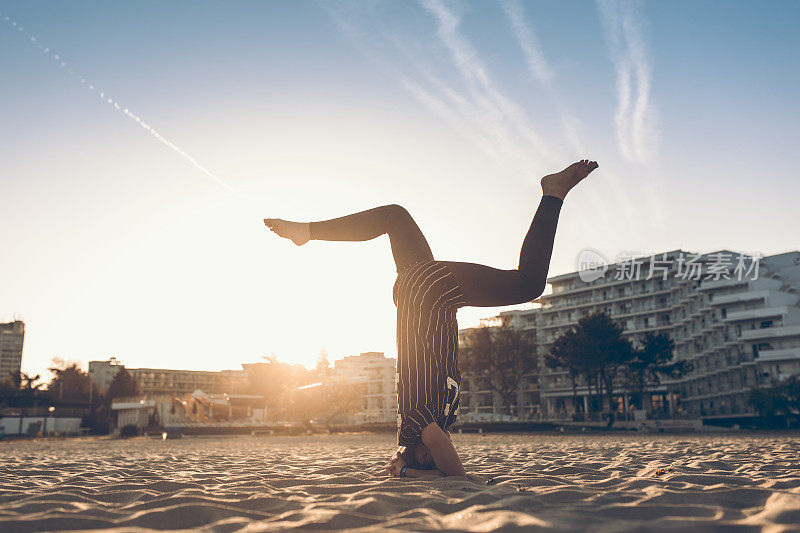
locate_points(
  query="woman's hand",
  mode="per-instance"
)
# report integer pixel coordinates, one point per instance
(400, 450)
(396, 463)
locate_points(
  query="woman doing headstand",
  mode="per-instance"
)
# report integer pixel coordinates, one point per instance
(427, 294)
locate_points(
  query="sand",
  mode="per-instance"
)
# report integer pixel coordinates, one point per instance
(540, 482)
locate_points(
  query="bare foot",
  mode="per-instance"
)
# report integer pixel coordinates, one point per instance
(298, 232)
(561, 183)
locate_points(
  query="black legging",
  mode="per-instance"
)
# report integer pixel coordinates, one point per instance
(481, 285)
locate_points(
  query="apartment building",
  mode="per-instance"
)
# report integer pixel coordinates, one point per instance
(159, 381)
(633, 293)
(741, 334)
(167, 381)
(103, 372)
(736, 318)
(375, 375)
(12, 335)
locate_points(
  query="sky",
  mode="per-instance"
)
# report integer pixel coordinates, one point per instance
(137, 166)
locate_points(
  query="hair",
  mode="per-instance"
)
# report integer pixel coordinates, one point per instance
(409, 455)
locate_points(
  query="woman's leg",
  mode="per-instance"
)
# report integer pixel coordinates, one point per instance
(485, 286)
(408, 243)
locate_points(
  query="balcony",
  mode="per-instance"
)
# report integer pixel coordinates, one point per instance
(779, 355)
(768, 333)
(744, 296)
(718, 284)
(752, 314)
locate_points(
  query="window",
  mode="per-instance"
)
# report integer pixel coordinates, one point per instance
(724, 313)
(766, 324)
(657, 402)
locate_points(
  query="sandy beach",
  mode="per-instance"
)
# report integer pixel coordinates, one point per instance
(539, 482)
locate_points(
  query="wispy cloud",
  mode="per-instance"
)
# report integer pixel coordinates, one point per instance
(497, 111)
(534, 56)
(444, 72)
(433, 60)
(636, 117)
(634, 123)
(540, 70)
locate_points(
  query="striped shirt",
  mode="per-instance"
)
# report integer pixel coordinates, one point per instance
(427, 297)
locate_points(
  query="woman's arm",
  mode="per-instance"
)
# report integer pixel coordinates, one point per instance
(442, 450)
(413, 472)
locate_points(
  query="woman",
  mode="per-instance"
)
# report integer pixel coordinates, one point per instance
(427, 294)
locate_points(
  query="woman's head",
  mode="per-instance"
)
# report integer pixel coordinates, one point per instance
(417, 456)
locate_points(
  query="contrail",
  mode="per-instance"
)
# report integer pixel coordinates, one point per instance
(107, 99)
(636, 117)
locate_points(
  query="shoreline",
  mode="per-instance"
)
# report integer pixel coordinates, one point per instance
(210, 432)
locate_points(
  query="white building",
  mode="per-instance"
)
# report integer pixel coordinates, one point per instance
(196, 409)
(12, 334)
(376, 375)
(158, 381)
(103, 372)
(741, 334)
(738, 329)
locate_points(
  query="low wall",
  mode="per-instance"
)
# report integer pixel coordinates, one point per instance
(11, 425)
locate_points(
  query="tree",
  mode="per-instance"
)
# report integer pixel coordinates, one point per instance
(594, 349)
(275, 381)
(566, 353)
(612, 351)
(503, 355)
(69, 382)
(781, 399)
(329, 403)
(123, 385)
(20, 384)
(650, 363)
(323, 368)
(341, 399)
(268, 379)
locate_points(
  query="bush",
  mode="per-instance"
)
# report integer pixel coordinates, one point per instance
(780, 400)
(131, 430)
(98, 423)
